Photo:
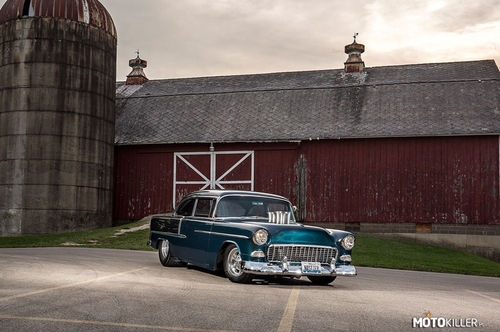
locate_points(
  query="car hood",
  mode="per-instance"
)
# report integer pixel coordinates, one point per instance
(301, 234)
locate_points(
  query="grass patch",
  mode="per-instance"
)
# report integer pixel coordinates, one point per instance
(120, 237)
(370, 251)
(374, 251)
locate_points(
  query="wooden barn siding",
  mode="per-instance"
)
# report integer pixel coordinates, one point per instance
(142, 182)
(439, 180)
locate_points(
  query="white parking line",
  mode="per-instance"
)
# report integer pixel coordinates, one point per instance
(287, 319)
(68, 286)
(485, 296)
(89, 322)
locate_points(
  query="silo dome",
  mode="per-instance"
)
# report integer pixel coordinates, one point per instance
(86, 11)
(57, 116)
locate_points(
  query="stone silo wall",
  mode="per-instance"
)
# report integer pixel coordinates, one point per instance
(57, 102)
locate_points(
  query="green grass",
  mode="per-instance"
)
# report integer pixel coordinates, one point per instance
(369, 251)
(373, 251)
(110, 238)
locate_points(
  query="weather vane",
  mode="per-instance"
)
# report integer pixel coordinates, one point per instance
(355, 35)
(137, 52)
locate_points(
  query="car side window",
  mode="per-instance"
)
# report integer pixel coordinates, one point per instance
(204, 207)
(227, 208)
(186, 208)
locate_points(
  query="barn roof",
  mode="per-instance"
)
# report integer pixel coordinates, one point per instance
(458, 98)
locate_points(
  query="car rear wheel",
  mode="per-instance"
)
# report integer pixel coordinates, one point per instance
(164, 254)
(321, 280)
(232, 266)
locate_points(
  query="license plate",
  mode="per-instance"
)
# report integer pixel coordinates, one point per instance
(311, 267)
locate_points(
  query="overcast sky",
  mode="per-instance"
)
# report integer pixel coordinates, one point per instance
(188, 38)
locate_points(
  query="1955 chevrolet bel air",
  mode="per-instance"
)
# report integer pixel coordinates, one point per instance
(249, 234)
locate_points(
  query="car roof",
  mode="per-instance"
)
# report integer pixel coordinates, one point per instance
(222, 193)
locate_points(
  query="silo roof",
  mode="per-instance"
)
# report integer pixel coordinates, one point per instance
(91, 12)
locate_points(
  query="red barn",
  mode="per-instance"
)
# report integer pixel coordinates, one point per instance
(396, 149)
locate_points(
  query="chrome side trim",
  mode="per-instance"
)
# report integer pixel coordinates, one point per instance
(223, 234)
(182, 236)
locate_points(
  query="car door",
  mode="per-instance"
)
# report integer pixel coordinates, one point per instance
(196, 231)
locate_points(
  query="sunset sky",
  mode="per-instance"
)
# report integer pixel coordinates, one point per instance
(189, 38)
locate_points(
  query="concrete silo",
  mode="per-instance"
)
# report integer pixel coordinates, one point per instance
(57, 113)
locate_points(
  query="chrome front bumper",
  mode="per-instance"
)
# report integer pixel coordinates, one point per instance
(260, 268)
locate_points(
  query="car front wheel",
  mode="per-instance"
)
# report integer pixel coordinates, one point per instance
(232, 266)
(164, 254)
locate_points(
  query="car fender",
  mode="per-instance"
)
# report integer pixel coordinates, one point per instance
(217, 263)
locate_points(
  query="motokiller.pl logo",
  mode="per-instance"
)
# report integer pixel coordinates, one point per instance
(429, 321)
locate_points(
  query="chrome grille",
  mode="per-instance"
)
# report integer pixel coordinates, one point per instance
(298, 253)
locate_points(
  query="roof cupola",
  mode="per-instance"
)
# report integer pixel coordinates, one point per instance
(354, 63)
(137, 76)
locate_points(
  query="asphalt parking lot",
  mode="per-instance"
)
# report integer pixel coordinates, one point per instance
(77, 289)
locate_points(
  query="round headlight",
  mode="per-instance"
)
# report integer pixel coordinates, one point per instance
(348, 242)
(260, 237)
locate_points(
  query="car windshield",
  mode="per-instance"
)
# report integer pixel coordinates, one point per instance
(275, 210)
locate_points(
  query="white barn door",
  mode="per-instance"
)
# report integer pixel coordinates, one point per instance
(212, 170)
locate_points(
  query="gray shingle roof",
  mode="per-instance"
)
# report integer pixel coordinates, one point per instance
(459, 98)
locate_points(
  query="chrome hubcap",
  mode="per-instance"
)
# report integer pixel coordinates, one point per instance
(164, 248)
(234, 262)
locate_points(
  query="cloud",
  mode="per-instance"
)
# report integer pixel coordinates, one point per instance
(224, 37)
(199, 37)
(464, 16)
(236, 37)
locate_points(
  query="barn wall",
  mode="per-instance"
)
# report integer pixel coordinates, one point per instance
(404, 180)
(437, 180)
(142, 182)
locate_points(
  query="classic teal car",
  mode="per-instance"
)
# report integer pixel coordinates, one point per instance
(249, 234)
